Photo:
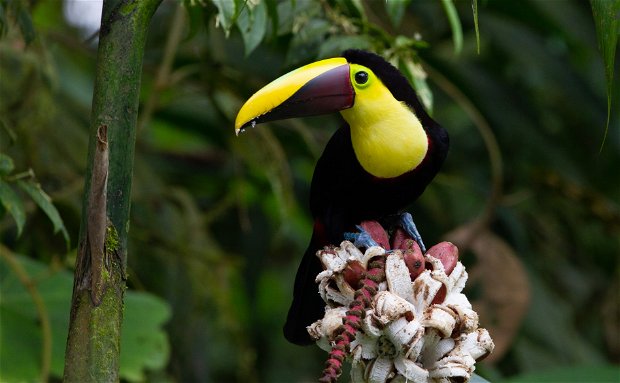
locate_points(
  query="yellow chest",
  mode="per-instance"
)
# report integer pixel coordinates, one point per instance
(388, 139)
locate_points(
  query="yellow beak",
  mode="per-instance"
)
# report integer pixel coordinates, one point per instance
(318, 88)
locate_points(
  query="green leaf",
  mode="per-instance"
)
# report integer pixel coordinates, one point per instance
(407, 44)
(10, 132)
(606, 15)
(144, 343)
(6, 164)
(571, 374)
(474, 6)
(3, 20)
(396, 10)
(292, 16)
(24, 21)
(272, 11)
(334, 45)
(306, 42)
(354, 7)
(23, 338)
(252, 23)
(45, 203)
(13, 204)
(455, 24)
(417, 77)
(285, 12)
(552, 336)
(226, 13)
(195, 18)
(475, 378)
(20, 318)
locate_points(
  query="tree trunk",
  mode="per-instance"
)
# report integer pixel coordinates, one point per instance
(93, 344)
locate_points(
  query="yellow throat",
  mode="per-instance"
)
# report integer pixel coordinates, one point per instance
(388, 138)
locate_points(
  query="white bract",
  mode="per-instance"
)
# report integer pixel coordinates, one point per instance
(405, 337)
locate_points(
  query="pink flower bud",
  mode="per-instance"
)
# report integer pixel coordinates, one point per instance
(353, 273)
(447, 253)
(414, 260)
(399, 237)
(377, 233)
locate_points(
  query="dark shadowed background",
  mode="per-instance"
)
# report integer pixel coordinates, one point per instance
(219, 223)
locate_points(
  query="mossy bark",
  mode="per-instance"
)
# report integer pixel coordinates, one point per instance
(93, 344)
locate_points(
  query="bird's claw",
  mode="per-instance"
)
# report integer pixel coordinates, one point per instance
(361, 239)
(406, 222)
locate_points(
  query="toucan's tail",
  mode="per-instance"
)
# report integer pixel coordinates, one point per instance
(307, 306)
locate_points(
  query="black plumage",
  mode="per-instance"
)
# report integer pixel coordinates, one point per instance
(343, 194)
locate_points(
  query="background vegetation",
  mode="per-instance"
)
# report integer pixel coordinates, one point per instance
(530, 190)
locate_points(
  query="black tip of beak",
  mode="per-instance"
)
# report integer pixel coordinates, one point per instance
(250, 124)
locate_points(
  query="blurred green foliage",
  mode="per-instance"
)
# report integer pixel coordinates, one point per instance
(220, 222)
(144, 343)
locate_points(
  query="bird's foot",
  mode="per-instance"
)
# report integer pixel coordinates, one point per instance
(361, 238)
(406, 222)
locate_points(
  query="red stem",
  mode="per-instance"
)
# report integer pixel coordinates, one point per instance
(345, 334)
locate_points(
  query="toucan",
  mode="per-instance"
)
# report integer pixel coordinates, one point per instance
(378, 162)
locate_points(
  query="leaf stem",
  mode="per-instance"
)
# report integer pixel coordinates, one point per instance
(19, 176)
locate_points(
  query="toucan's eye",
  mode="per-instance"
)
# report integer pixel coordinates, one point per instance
(361, 77)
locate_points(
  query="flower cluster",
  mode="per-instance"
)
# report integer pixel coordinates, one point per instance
(397, 314)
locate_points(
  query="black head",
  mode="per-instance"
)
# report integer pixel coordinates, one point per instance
(391, 77)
